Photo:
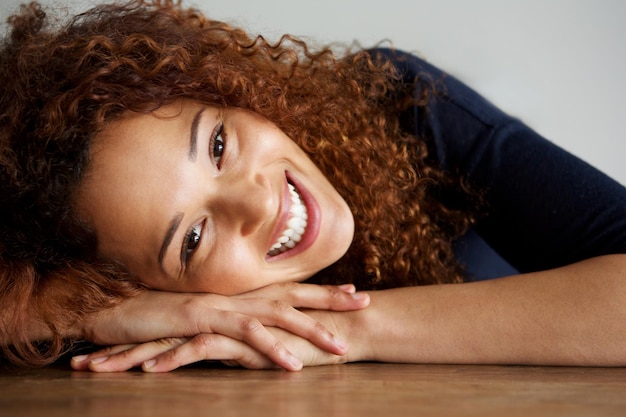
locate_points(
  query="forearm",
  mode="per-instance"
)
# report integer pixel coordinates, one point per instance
(569, 316)
(574, 315)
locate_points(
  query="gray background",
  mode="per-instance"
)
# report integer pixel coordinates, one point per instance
(559, 65)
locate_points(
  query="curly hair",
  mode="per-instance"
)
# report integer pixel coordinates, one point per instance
(63, 84)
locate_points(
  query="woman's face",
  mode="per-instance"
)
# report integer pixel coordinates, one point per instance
(210, 199)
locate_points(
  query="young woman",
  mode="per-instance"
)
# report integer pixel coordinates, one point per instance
(149, 153)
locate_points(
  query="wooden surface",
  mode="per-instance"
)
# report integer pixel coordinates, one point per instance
(341, 390)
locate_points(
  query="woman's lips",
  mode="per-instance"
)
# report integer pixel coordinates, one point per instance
(298, 226)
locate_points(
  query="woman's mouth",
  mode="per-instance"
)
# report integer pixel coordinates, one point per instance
(295, 226)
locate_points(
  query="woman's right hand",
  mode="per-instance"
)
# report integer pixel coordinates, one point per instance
(231, 324)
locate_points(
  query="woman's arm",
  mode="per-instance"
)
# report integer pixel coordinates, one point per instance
(574, 315)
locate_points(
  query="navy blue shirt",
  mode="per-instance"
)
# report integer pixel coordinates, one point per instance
(545, 208)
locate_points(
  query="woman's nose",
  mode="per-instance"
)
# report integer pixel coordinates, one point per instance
(248, 202)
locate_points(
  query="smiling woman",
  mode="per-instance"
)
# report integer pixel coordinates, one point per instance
(220, 212)
(170, 181)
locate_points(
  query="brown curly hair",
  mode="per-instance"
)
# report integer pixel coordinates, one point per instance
(63, 84)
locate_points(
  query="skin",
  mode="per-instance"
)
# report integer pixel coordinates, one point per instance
(227, 188)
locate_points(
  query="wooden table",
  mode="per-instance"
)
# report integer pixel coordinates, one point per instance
(363, 390)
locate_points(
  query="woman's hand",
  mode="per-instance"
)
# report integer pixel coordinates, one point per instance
(168, 354)
(225, 328)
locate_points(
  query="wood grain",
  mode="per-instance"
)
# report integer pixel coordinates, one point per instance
(364, 389)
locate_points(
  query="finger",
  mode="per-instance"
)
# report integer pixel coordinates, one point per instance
(251, 331)
(81, 362)
(276, 313)
(319, 297)
(327, 297)
(208, 347)
(135, 356)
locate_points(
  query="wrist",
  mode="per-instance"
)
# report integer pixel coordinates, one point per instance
(357, 328)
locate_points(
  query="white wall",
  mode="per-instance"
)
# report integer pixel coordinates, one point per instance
(557, 64)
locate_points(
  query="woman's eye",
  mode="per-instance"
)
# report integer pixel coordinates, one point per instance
(216, 146)
(192, 240)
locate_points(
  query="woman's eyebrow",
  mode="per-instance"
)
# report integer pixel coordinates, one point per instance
(178, 217)
(171, 231)
(193, 140)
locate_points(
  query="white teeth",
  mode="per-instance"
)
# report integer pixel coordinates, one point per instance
(295, 227)
(294, 223)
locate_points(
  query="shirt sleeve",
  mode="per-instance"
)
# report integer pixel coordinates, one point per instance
(544, 207)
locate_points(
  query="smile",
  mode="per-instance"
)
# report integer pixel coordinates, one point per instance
(295, 226)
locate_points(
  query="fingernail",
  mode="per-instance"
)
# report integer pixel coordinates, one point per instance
(149, 364)
(99, 360)
(340, 343)
(359, 296)
(295, 362)
(79, 358)
(349, 288)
